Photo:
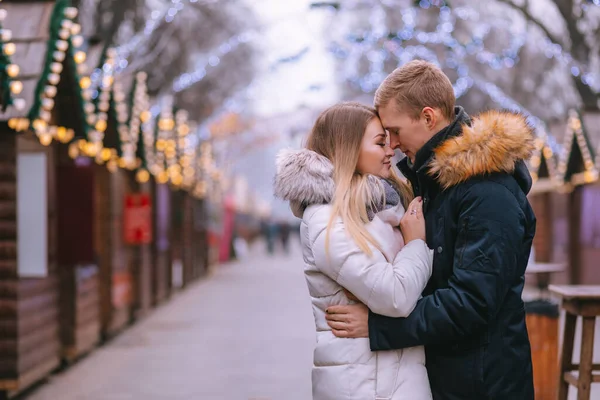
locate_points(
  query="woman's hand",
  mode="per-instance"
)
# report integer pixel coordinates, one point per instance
(412, 224)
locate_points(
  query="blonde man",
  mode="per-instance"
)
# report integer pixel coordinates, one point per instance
(473, 180)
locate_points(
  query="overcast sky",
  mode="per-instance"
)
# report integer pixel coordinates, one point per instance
(288, 28)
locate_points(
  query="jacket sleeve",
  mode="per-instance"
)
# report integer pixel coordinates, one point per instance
(390, 289)
(487, 248)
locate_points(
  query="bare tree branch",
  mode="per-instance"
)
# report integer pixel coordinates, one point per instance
(529, 17)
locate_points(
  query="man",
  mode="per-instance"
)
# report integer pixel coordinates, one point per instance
(473, 181)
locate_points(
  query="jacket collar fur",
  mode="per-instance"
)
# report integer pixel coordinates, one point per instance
(305, 178)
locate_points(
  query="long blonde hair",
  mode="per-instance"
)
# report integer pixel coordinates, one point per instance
(337, 135)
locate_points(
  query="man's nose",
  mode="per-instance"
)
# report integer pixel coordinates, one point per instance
(394, 142)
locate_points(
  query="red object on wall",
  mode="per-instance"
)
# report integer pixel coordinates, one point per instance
(137, 219)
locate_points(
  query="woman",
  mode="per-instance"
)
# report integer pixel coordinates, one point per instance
(351, 203)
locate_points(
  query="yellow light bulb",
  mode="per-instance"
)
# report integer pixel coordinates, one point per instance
(163, 177)
(59, 56)
(79, 57)
(174, 169)
(75, 29)
(16, 87)
(61, 133)
(142, 176)
(177, 180)
(22, 124)
(123, 163)
(12, 70)
(39, 125)
(91, 149)
(69, 135)
(145, 116)
(77, 40)
(9, 49)
(183, 130)
(66, 24)
(47, 104)
(161, 145)
(105, 154)
(62, 45)
(54, 79)
(64, 34)
(85, 82)
(45, 139)
(112, 166)
(50, 91)
(71, 12)
(101, 125)
(12, 123)
(73, 150)
(56, 67)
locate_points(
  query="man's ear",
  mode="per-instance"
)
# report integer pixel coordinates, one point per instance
(430, 117)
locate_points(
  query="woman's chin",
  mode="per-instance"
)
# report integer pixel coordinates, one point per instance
(385, 173)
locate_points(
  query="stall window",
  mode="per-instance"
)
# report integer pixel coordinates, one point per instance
(32, 215)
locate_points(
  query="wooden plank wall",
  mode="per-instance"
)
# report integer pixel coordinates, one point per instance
(161, 277)
(187, 238)
(29, 330)
(121, 295)
(590, 234)
(8, 260)
(79, 297)
(39, 345)
(141, 263)
(115, 281)
(200, 238)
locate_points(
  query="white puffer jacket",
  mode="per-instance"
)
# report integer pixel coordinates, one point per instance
(389, 282)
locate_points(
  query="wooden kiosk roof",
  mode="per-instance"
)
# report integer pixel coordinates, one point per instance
(30, 24)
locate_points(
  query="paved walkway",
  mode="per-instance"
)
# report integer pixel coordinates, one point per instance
(246, 332)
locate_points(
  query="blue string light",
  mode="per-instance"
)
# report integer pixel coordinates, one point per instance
(505, 59)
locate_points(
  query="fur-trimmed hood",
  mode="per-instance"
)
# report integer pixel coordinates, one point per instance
(305, 178)
(496, 141)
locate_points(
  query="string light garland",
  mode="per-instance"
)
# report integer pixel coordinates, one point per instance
(575, 135)
(62, 48)
(157, 17)
(139, 113)
(165, 148)
(391, 44)
(10, 86)
(147, 153)
(543, 154)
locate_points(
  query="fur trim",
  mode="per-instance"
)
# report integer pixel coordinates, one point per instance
(304, 178)
(494, 142)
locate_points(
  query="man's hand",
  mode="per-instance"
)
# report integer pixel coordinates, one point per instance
(350, 321)
(351, 297)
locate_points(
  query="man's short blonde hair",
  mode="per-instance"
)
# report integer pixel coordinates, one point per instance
(416, 85)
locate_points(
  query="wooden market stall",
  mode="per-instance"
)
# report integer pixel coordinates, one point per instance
(139, 236)
(112, 185)
(565, 189)
(162, 243)
(579, 174)
(30, 346)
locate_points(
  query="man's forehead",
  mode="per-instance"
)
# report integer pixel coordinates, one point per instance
(391, 111)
